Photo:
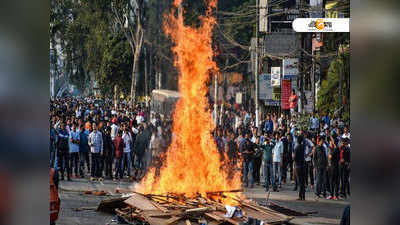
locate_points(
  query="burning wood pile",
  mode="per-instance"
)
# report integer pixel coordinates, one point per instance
(178, 209)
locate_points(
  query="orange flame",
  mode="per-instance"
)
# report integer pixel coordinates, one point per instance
(192, 164)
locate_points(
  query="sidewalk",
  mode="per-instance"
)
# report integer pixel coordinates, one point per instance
(324, 211)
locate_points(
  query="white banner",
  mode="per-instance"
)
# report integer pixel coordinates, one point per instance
(290, 67)
(321, 24)
(275, 76)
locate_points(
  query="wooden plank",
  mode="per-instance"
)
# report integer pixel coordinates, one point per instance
(169, 214)
(109, 205)
(154, 220)
(172, 220)
(221, 192)
(201, 209)
(158, 206)
(140, 202)
(213, 216)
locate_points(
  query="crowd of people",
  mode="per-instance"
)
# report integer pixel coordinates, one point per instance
(116, 142)
(315, 156)
(102, 141)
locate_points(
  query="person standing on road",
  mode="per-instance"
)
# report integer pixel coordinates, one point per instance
(119, 151)
(74, 150)
(247, 151)
(108, 152)
(96, 147)
(290, 152)
(257, 159)
(333, 169)
(344, 165)
(309, 169)
(63, 150)
(321, 166)
(83, 150)
(267, 159)
(114, 129)
(277, 153)
(286, 155)
(300, 162)
(53, 141)
(126, 162)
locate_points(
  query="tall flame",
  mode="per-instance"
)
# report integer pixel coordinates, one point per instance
(192, 164)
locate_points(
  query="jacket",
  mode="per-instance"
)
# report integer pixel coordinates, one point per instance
(63, 136)
(83, 143)
(108, 149)
(319, 158)
(299, 155)
(119, 146)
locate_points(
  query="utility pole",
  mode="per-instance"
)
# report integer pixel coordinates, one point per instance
(215, 99)
(313, 80)
(300, 65)
(256, 68)
(340, 51)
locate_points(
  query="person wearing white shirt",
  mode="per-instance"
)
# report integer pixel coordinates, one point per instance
(126, 160)
(346, 133)
(96, 147)
(114, 129)
(139, 119)
(309, 146)
(74, 139)
(277, 153)
(78, 112)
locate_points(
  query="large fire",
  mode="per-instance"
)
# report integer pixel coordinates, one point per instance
(192, 164)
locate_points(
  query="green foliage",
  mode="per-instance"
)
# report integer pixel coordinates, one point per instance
(116, 65)
(328, 95)
(92, 43)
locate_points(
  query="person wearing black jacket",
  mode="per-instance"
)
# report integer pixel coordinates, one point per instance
(290, 152)
(247, 151)
(108, 152)
(299, 159)
(321, 166)
(333, 169)
(344, 166)
(63, 150)
(285, 157)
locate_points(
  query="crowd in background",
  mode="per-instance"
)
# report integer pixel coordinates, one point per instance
(116, 142)
(104, 141)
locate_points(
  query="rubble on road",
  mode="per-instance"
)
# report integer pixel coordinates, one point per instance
(177, 209)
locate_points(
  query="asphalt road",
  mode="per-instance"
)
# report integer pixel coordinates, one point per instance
(72, 197)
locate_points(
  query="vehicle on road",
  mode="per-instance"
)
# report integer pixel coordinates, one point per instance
(163, 102)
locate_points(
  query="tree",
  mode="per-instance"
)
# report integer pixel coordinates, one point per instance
(115, 66)
(329, 98)
(128, 17)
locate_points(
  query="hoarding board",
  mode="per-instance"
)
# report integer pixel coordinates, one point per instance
(275, 76)
(290, 66)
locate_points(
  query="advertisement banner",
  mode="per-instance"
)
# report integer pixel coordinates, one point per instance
(290, 67)
(308, 105)
(264, 87)
(285, 94)
(275, 76)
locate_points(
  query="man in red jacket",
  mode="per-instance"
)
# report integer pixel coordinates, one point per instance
(293, 102)
(119, 150)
